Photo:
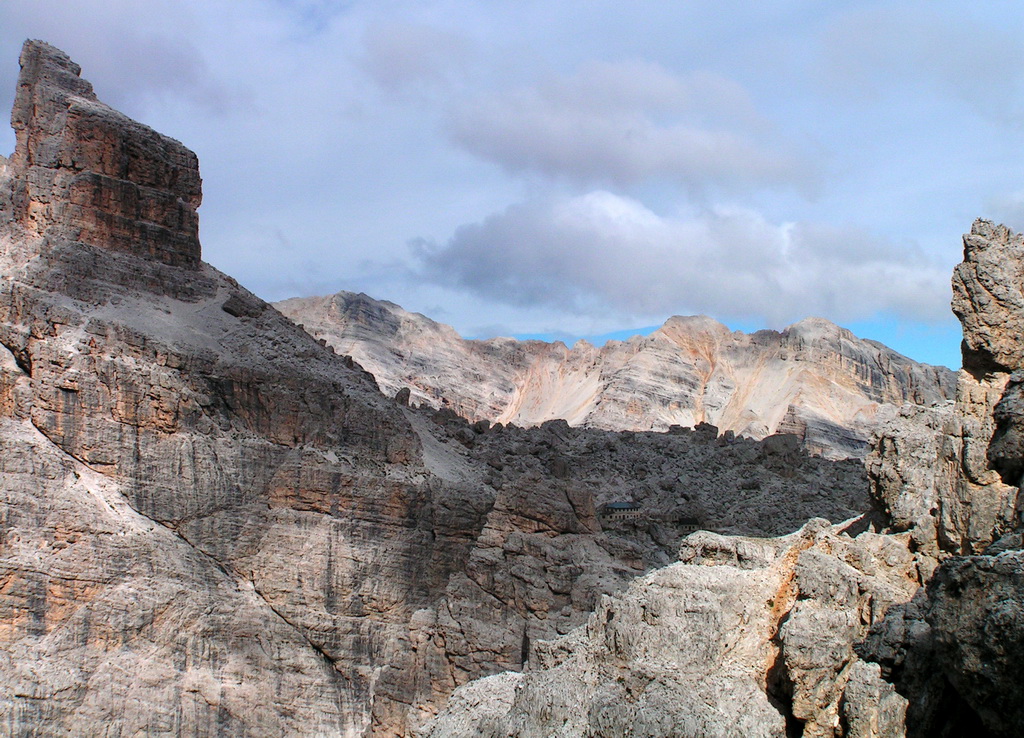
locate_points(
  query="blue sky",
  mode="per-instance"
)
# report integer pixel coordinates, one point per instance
(579, 168)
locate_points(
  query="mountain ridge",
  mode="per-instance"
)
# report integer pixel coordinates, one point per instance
(813, 378)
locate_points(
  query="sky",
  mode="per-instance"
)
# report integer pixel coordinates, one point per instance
(590, 168)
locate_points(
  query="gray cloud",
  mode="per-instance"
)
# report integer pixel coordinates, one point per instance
(135, 53)
(904, 49)
(1008, 209)
(602, 252)
(628, 122)
(398, 55)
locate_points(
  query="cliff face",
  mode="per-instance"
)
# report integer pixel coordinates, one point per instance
(961, 475)
(212, 524)
(916, 632)
(186, 475)
(814, 379)
(89, 174)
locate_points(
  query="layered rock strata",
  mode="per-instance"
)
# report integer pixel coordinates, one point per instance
(212, 524)
(862, 648)
(813, 379)
(88, 173)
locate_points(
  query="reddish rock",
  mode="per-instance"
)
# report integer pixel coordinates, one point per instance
(84, 172)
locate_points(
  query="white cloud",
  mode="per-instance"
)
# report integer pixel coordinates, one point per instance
(623, 123)
(603, 252)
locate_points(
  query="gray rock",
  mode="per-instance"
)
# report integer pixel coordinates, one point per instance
(744, 637)
(86, 173)
(988, 300)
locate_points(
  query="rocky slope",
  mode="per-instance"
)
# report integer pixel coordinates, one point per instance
(814, 379)
(213, 524)
(743, 637)
(915, 632)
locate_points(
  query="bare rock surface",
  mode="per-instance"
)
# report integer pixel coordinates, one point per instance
(813, 379)
(743, 637)
(954, 474)
(988, 298)
(88, 173)
(213, 524)
(955, 650)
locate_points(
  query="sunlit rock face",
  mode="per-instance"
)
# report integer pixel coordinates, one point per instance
(813, 379)
(86, 173)
(742, 637)
(213, 524)
(954, 483)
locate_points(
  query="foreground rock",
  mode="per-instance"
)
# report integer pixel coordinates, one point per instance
(743, 637)
(813, 379)
(862, 649)
(956, 650)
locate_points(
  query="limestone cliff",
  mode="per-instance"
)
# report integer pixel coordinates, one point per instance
(213, 524)
(814, 379)
(87, 173)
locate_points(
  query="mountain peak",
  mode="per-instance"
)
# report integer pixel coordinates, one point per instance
(83, 172)
(693, 369)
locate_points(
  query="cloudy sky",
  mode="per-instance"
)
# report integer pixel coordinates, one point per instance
(579, 168)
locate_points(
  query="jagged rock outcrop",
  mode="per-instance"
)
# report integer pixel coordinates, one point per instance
(212, 524)
(959, 470)
(186, 474)
(813, 379)
(743, 637)
(955, 650)
(942, 660)
(88, 173)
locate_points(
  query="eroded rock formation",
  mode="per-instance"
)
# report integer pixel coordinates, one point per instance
(743, 637)
(862, 648)
(813, 379)
(212, 524)
(956, 650)
(87, 173)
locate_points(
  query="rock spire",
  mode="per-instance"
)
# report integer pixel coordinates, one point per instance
(82, 171)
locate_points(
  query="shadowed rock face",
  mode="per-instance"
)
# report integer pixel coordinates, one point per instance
(87, 173)
(814, 379)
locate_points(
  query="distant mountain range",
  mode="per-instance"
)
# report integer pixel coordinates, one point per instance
(814, 379)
